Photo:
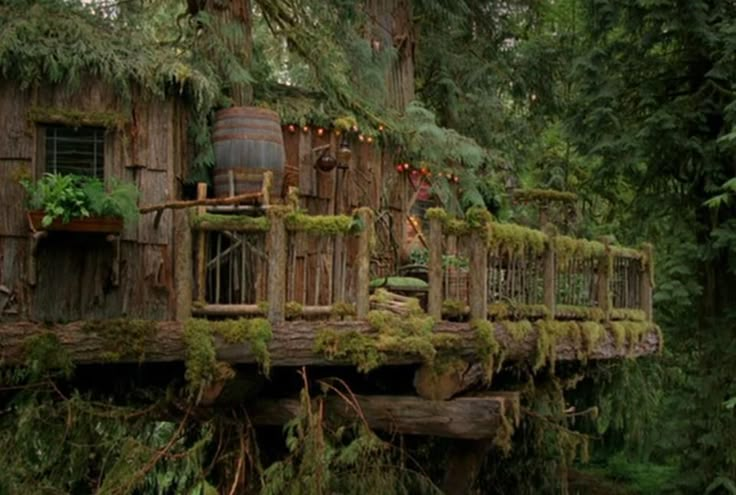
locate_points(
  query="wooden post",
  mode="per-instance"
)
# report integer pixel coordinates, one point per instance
(277, 258)
(363, 264)
(182, 265)
(201, 246)
(266, 188)
(550, 271)
(605, 269)
(34, 240)
(478, 276)
(434, 301)
(647, 281)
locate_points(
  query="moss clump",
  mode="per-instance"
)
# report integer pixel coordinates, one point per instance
(517, 329)
(232, 222)
(515, 239)
(342, 310)
(568, 248)
(629, 333)
(124, 338)
(625, 252)
(506, 311)
(546, 195)
(580, 313)
(202, 367)
(77, 118)
(393, 334)
(550, 332)
(591, 332)
(628, 314)
(326, 225)
(262, 307)
(454, 309)
(44, 353)
(293, 310)
(487, 346)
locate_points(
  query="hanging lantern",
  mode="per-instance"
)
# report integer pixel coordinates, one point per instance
(326, 162)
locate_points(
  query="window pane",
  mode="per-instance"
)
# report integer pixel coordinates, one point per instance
(79, 150)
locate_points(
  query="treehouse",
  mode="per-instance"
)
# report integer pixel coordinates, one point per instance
(294, 259)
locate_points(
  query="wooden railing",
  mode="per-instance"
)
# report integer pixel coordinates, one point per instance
(291, 265)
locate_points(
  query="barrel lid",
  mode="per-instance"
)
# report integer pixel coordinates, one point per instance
(248, 111)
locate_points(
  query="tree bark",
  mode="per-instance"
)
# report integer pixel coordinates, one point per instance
(293, 344)
(464, 417)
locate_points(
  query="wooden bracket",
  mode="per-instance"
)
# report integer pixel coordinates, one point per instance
(114, 240)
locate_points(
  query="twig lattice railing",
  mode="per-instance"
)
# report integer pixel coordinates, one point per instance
(538, 272)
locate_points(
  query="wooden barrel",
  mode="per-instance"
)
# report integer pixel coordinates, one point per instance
(248, 142)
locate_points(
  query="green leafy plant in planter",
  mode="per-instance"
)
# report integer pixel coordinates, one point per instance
(68, 197)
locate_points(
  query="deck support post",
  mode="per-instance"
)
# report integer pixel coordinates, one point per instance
(647, 281)
(363, 262)
(478, 283)
(201, 246)
(182, 265)
(605, 273)
(277, 259)
(550, 271)
(434, 299)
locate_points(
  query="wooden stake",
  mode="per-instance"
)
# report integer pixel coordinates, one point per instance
(434, 301)
(605, 267)
(478, 277)
(277, 257)
(201, 246)
(182, 265)
(363, 261)
(647, 281)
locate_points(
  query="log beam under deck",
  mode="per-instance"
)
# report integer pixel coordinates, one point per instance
(293, 343)
(465, 417)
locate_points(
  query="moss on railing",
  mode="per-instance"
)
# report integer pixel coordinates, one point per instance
(215, 221)
(326, 225)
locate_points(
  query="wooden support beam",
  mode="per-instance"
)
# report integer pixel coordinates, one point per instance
(605, 274)
(549, 275)
(181, 205)
(434, 298)
(647, 281)
(463, 417)
(237, 310)
(478, 276)
(293, 344)
(277, 259)
(201, 246)
(183, 273)
(363, 261)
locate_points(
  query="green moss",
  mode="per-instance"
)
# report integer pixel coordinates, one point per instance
(124, 338)
(454, 308)
(517, 329)
(202, 367)
(505, 311)
(44, 353)
(625, 252)
(628, 314)
(487, 346)
(77, 118)
(232, 222)
(580, 312)
(568, 248)
(293, 310)
(592, 332)
(326, 225)
(629, 333)
(526, 195)
(354, 347)
(343, 310)
(262, 307)
(515, 239)
(550, 332)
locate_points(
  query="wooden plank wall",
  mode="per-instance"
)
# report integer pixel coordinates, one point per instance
(369, 180)
(74, 270)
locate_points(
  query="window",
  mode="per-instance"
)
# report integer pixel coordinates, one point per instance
(74, 150)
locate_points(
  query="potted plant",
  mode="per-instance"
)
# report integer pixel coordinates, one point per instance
(74, 203)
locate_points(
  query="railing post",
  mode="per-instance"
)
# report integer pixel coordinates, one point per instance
(434, 298)
(277, 258)
(363, 264)
(183, 264)
(201, 246)
(478, 275)
(647, 281)
(549, 275)
(605, 274)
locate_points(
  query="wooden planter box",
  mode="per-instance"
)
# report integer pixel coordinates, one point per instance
(102, 225)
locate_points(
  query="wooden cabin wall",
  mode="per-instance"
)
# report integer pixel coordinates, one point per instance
(74, 270)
